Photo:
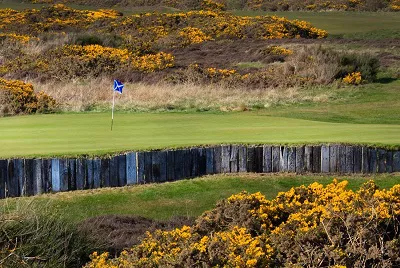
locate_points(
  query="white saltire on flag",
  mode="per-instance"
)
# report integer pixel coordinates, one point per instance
(118, 86)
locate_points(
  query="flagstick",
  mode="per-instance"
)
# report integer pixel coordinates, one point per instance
(112, 111)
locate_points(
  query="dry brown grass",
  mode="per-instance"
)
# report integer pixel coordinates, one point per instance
(97, 94)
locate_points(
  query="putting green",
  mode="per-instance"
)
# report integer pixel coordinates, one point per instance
(89, 133)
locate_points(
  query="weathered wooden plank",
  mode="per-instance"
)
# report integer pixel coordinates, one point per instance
(267, 159)
(105, 172)
(242, 158)
(81, 174)
(140, 168)
(234, 159)
(210, 160)
(187, 163)
(28, 174)
(121, 169)
(114, 171)
(131, 172)
(333, 159)
(283, 157)
(396, 161)
(389, 161)
(90, 174)
(308, 158)
(202, 160)
(373, 160)
(357, 159)
(179, 163)
(12, 184)
(349, 159)
(325, 159)
(381, 161)
(217, 159)
(291, 159)
(64, 176)
(72, 174)
(37, 177)
(159, 166)
(316, 162)
(251, 159)
(194, 162)
(276, 159)
(96, 173)
(148, 167)
(342, 159)
(3, 178)
(225, 158)
(170, 165)
(46, 174)
(365, 160)
(259, 159)
(300, 165)
(19, 173)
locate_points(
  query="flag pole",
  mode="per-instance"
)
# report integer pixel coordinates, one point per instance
(112, 110)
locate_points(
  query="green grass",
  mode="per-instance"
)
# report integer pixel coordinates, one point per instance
(89, 133)
(341, 23)
(181, 198)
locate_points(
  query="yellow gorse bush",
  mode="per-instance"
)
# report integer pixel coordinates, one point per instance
(246, 230)
(353, 78)
(192, 35)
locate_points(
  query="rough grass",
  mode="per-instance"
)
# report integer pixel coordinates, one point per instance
(187, 198)
(72, 134)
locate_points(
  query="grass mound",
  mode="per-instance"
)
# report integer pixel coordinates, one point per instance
(307, 225)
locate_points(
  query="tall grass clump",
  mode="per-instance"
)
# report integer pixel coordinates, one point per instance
(32, 236)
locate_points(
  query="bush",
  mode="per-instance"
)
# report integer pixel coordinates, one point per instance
(312, 226)
(365, 64)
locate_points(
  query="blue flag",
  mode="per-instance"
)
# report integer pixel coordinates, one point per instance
(118, 86)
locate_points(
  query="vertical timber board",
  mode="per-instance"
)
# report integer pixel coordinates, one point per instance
(202, 162)
(308, 158)
(325, 159)
(90, 174)
(242, 158)
(381, 161)
(396, 161)
(187, 163)
(283, 156)
(148, 165)
(316, 159)
(179, 164)
(64, 176)
(333, 158)
(72, 174)
(275, 159)
(258, 153)
(251, 159)
(37, 177)
(28, 175)
(349, 159)
(225, 159)
(292, 159)
(156, 166)
(163, 166)
(357, 159)
(12, 180)
(373, 161)
(131, 172)
(209, 160)
(342, 159)
(121, 170)
(267, 159)
(300, 167)
(114, 171)
(46, 173)
(140, 168)
(170, 165)
(19, 173)
(3, 178)
(217, 159)
(105, 172)
(80, 174)
(194, 162)
(365, 160)
(96, 173)
(389, 161)
(234, 159)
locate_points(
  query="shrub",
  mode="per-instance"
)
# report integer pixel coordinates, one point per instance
(313, 226)
(365, 64)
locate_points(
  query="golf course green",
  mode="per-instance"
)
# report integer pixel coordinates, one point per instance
(90, 134)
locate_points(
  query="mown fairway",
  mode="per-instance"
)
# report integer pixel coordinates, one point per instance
(182, 198)
(69, 134)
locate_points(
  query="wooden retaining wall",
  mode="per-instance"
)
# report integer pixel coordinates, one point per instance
(25, 177)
